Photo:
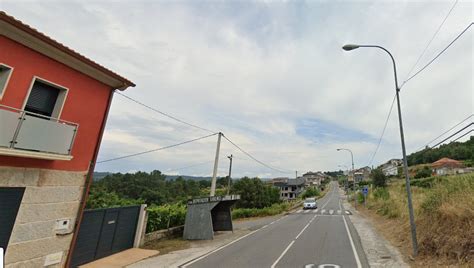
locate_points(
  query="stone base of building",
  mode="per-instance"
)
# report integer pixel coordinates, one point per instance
(44, 224)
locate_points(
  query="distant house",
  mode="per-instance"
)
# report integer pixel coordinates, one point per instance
(447, 166)
(362, 174)
(390, 168)
(314, 178)
(289, 188)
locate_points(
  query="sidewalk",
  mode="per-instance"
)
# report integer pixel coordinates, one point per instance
(379, 252)
(121, 259)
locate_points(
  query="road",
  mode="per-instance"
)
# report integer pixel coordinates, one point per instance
(305, 238)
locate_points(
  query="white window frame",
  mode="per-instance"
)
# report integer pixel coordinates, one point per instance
(4, 88)
(63, 92)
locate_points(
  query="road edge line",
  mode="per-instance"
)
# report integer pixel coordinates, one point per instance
(356, 255)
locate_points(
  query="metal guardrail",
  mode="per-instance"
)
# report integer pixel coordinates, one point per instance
(23, 130)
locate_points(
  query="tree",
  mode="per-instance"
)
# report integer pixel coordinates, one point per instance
(378, 178)
(254, 193)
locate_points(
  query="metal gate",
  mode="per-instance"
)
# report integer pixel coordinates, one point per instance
(10, 199)
(104, 232)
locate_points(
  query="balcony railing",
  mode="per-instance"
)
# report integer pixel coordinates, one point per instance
(35, 133)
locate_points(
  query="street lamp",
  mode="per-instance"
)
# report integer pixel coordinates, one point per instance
(350, 47)
(353, 177)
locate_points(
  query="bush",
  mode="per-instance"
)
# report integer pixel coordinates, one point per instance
(423, 173)
(158, 216)
(378, 178)
(311, 192)
(360, 198)
(260, 212)
(381, 193)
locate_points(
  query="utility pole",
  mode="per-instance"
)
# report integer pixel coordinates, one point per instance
(230, 173)
(296, 174)
(216, 164)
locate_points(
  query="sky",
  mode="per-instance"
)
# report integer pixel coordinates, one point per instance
(270, 75)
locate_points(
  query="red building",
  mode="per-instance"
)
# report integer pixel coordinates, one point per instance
(54, 104)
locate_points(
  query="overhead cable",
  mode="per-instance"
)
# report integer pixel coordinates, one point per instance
(442, 134)
(432, 38)
(157, 149)
(383, 131)
(255, 159)
(452, 135)
(164, 114)
(437, 56)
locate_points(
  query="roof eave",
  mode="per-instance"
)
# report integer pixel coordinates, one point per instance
(30, 37)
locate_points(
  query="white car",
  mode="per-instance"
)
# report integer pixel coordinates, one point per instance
(310, 203)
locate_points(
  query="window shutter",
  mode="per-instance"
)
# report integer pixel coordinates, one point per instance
(42, 99)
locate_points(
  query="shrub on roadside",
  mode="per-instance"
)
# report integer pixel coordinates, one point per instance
(158, 216)
(310, 192)
(260, 212)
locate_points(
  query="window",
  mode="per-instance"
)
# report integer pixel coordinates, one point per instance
(45, 99)
(5, 72)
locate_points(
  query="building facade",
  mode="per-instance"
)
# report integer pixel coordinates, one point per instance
(289, 188)
(447, 166)
(53, 109)
(390, 168)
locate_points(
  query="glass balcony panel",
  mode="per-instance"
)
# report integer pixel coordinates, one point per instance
(38, 134)
(8, 124)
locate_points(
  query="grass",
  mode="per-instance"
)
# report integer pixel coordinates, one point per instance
(275, 209)
(165, 246)
(444, 214)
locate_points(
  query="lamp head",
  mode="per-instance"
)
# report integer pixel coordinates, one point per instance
(349, 47)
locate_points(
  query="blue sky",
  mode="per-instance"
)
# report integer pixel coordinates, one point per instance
(271, 75)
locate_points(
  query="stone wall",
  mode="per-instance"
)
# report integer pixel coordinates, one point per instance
(50, 196)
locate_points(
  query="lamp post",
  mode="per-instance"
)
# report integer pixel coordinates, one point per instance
(353, 177)
(350, 47)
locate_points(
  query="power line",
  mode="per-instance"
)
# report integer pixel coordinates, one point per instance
(453, 135)
(442, 134)
(158, 149)
(383, 132)
(463, 135)
(255, 159)
(432, 38)
(190, 166)
(439, 54)
(165, 114)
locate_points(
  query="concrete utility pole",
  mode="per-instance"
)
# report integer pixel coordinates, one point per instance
(230, 174)
(216, 164)
(402, 137)
(296, 174)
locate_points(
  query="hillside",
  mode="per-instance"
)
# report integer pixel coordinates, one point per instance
(455, 150)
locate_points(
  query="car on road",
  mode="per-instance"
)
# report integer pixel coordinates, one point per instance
(310, 203)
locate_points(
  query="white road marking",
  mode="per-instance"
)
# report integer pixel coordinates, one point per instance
(306, 211)
(316, 211)
(299, 211)
(339, 212)
(331, 211)
(282, 254)
(219, 248)
(352, 243)
(323, 211)
(347, 212)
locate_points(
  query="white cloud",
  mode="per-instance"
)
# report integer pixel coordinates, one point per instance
(256, 70)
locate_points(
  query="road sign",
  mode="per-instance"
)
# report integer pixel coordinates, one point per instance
(365, 190)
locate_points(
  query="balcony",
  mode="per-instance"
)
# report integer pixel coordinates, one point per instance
(25, 134)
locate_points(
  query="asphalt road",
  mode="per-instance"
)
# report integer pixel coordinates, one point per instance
(305, 238)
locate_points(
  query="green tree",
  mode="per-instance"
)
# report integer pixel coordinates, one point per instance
(254, 193)
(378, 178)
